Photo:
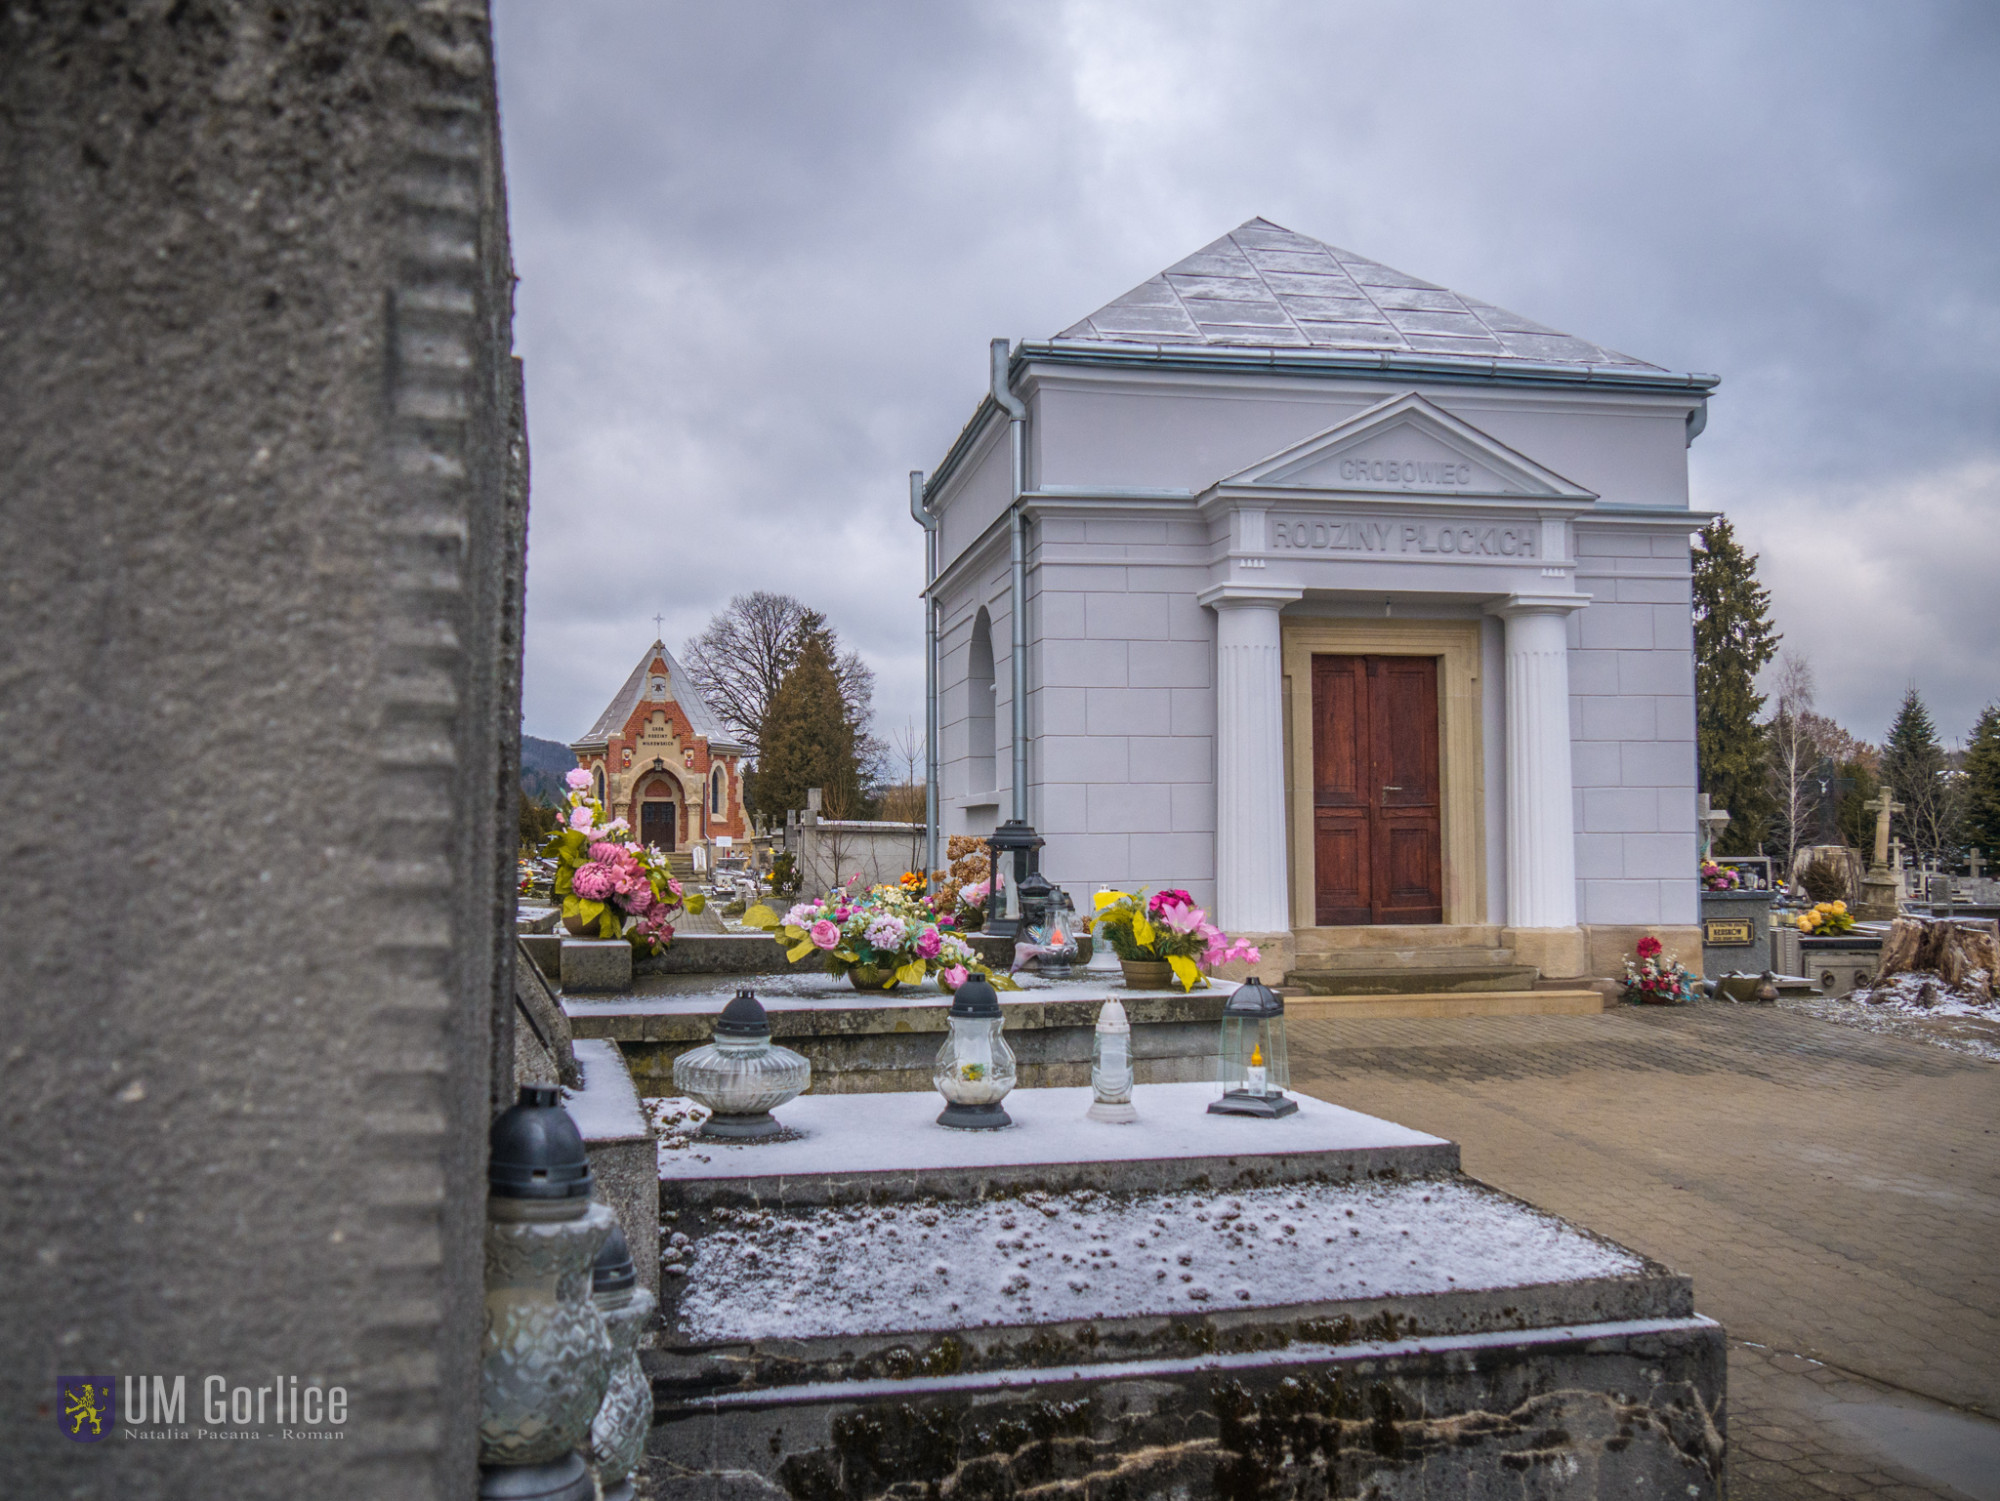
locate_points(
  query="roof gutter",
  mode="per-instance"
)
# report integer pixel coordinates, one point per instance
(1017, 553)
(929, 522)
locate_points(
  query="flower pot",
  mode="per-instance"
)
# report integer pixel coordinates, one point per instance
(1638, 997)
(873, 977)
(1147, 974)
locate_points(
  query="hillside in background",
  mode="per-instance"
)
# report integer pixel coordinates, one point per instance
(544, 763)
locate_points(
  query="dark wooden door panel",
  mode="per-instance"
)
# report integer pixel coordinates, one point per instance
(1377, 823)
(1342, 867)
(656, 824)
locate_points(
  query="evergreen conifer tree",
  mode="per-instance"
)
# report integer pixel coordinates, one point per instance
(809, 738)
(1981, 828)
(1733, 640)
(1914, 766)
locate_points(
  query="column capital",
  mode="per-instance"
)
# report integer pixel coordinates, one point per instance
(1251, 596)
(1511, 605)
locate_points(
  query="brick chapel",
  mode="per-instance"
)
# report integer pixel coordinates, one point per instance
(660, 757)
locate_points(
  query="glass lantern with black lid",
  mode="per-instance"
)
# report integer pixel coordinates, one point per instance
(1254, 1072)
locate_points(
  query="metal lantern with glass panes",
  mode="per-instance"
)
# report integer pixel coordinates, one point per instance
(1017, 840)
(742, 1076)
(975, 1067)
(1111, 1067)
(1254, 1074)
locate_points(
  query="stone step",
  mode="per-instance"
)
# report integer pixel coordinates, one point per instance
(1395, 936)
(1413, 980)
(1307, 1008)
(1462, 956)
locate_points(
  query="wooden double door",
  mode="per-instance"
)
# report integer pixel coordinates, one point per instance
(658, 823)
(1377, 815)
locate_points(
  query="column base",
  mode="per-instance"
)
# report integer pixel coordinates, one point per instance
(1881, 896)
(1559, 953)
(1277, 957)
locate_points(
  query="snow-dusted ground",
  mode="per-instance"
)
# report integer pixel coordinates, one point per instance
(860, 1133)
(1902, 1008)
(1040, 1257)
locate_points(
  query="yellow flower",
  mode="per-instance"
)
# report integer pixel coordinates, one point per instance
(1840, 906)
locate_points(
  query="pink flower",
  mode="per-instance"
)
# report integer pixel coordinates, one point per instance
(607, 854)
(674, 886)
(824, 935)
(1182, 917)
(1164, 899)
(929, 942)
(1649, 946)
(577, 780)
(594, 882)
(640, 898)
(580, 820)
(953, 977)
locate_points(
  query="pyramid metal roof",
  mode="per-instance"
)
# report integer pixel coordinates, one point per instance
(680, 687)
(1262, 286)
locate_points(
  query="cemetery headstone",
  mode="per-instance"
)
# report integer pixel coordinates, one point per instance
(264, 507)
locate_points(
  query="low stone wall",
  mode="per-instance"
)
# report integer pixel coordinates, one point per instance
(860, 1044)
(619, 1140)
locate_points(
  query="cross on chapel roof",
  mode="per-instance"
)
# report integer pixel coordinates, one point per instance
(1265, 286)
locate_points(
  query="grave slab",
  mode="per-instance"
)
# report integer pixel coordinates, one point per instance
(868, 1042)
(618, 1138)
(1193, 1304)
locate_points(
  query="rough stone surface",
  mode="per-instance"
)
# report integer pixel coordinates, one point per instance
(864, 1044)
(619, 1140)
(263, 510)
(596, 964)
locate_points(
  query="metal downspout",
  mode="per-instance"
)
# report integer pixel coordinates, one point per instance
(929, 523)
(1017, 549)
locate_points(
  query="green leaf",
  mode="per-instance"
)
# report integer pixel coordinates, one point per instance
(760, 916)
(1184, 971)
(694, 901)
(564, 873)
(799, 950)
(912, 973)
(589, 911)
(1142, 930)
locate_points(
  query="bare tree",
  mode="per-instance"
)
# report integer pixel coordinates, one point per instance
(1795, 753)
(745, 652)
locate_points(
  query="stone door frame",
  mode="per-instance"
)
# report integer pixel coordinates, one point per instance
(1461, 757)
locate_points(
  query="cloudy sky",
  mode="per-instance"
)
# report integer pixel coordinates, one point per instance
(762, 247)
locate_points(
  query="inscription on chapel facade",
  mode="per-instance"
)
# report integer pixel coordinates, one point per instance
(1474, 539)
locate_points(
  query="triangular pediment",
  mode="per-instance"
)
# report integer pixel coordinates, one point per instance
(1407, 445)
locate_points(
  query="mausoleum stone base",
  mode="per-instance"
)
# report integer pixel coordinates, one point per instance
(1191, 1306)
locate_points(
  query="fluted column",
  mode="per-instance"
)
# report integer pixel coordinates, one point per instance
(1541, 820)
(1250, 850)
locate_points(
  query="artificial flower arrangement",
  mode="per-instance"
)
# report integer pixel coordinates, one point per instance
(1167, 927)
(879, 938)
(1719, 877)
(1658, 979)
(611, 886)
(1825, 920)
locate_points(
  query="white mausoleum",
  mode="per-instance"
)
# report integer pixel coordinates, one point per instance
(1351, 605)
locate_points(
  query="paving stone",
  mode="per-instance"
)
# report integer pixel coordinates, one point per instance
(1835, 1194)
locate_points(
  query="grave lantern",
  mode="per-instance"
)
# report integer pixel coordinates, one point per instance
(1111, 1067)
(546, 1358)
(618, 1433)
(975, 1067)
(1017, 840)
(742, 1076)
(1254, 1073)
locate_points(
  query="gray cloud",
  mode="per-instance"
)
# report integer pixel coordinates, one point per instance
(762, 247)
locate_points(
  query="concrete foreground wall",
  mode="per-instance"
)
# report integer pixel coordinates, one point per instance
(260, 571)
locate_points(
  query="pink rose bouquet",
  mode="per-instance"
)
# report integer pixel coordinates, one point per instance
(611, 887)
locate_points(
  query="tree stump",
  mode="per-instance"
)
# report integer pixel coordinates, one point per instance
(1965, 959)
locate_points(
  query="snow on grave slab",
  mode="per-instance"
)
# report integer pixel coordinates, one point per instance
(707, 994)
(1043, 1258)
(853, 1135)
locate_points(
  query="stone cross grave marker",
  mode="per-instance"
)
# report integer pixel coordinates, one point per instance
(1884, 806)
